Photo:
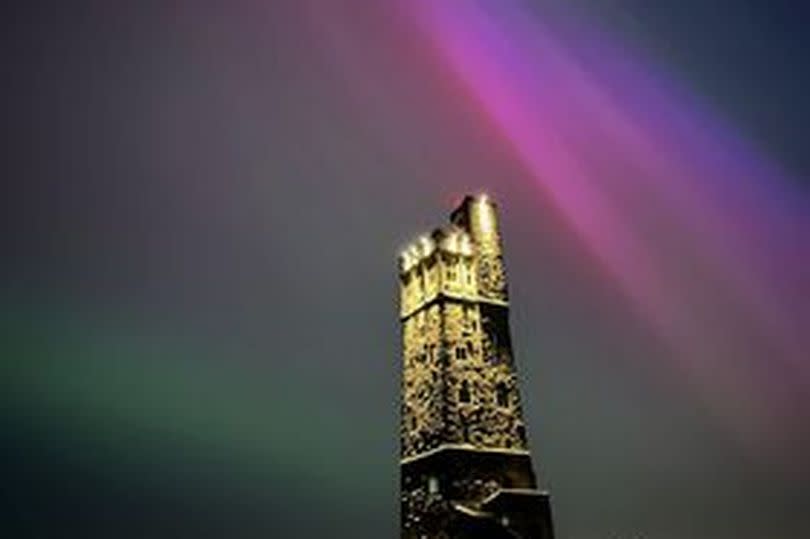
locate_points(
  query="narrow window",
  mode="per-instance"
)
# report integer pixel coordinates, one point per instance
(461, 353)
(502, 395)
(464, 392)
(433, 485)
(521, 433)
(470, 348)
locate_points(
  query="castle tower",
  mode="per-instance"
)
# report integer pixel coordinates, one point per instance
(465, 465)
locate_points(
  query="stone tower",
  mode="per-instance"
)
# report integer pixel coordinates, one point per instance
(465, 465)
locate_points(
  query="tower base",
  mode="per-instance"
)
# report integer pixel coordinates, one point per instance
(460, 492)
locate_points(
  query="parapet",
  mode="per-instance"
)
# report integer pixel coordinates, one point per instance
(451, 239)
(462, 259)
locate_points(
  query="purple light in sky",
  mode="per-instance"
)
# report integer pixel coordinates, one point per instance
(705, 238)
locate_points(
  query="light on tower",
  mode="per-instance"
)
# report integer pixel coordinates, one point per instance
(427, 245)
(485, 218)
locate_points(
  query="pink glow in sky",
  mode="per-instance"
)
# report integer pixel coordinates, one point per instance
(705, 237)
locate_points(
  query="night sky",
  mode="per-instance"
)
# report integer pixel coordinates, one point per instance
(204, 201)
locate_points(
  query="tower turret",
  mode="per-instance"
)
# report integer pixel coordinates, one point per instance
(478, 215)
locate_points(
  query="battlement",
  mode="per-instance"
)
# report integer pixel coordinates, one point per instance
(443, 262)
(451, 240)
(462, 259)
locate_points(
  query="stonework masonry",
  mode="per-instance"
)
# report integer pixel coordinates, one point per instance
(465, 469)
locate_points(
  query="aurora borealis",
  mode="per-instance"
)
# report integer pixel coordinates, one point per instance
(205, 207)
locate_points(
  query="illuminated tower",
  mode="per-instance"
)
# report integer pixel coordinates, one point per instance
(465, 466)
